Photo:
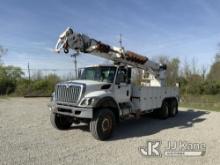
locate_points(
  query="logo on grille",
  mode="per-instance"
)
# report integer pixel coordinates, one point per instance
(68, 85)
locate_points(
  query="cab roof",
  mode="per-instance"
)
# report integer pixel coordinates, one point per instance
(104, 65)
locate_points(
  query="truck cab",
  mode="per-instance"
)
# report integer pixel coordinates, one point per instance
(97, 87)
(94, 84)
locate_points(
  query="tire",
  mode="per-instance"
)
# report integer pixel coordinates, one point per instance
(173, 109)
(60, 122)
(102, 125)
(163, 112)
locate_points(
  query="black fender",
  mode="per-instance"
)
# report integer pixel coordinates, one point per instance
(108, 102)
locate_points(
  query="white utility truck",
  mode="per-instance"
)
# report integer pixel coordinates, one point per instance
(103, 95)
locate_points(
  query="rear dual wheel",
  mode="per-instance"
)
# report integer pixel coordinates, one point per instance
(168, 109)
(173, 108)
(163, 112)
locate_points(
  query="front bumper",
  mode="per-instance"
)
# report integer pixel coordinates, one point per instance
(77, 112)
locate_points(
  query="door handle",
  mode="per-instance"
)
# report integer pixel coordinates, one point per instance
(127, 92)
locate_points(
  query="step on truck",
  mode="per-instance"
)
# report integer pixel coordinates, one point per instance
(103, 95)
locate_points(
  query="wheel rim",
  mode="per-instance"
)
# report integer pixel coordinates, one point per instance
(107, 124)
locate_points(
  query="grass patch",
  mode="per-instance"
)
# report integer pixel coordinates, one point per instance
(207, 102)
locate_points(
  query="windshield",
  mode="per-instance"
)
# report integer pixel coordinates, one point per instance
(101, 73)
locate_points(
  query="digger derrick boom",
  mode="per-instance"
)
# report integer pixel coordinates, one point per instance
(82, 43)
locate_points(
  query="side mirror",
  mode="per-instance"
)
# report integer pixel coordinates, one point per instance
(119, 78)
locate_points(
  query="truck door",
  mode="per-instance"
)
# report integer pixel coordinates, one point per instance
(122, 87)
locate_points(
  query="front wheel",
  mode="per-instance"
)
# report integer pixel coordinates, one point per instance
(60, 122)
(102, 125)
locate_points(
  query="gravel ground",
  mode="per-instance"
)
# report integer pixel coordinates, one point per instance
(27, 137)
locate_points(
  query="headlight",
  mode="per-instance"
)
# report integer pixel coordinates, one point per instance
(89, 101)
(52, 97)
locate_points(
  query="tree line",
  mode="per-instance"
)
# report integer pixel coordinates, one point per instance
(192, 79)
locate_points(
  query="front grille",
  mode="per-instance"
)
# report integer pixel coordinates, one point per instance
(67, 93)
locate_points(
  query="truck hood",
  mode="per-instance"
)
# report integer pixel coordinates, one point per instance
(88, 82)
(90, 85)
